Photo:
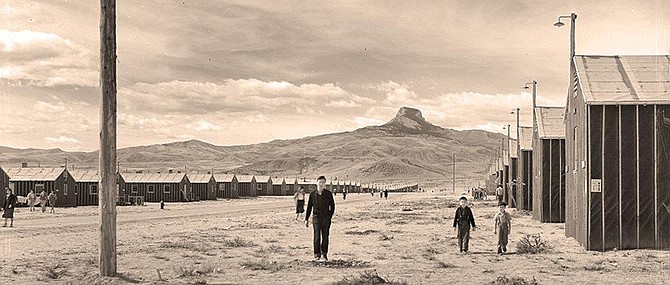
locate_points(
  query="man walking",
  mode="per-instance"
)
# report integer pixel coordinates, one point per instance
(43, 201)
(323, 204)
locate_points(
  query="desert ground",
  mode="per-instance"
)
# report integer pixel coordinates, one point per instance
(407, 239)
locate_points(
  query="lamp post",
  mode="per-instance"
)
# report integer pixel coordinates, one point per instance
(573, 18)
(534, 97)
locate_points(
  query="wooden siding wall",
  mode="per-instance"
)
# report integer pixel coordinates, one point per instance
(629, 147)
(174, 195)
(84, 195)
(524, 197)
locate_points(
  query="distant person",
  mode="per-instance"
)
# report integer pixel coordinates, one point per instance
(43, 200)
(162, 205)
(499, 193)
(462, 221)
(299, 199)
(381, 193)
(386, 194)
(502, 227)
(31, 200)
(344, 194)
(8, 207)
(52, 201)
(372, 193)
(323, 204)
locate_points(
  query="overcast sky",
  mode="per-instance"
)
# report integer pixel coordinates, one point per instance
(239, 72)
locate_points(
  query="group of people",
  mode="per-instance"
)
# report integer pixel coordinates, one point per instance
(478, 193)
(464, 219)
(11, 200)
(321, 207)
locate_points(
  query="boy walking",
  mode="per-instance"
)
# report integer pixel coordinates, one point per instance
(323, 204)
(503, 226)
(462, 221)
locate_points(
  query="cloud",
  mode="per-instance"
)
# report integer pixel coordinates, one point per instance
(45, 59)
(234, 96)
(206, 126)
(365, 121)
(62, 139)
(397, 93)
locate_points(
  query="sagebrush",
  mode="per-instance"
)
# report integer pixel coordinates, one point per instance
(532, 243)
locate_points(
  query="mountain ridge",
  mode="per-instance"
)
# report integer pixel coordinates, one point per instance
(406, 148)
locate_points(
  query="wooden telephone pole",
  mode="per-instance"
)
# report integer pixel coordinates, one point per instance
(107, 197)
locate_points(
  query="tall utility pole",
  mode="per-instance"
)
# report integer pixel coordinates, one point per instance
(453, 181)
(107, 197)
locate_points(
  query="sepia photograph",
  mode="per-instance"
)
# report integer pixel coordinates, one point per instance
(334, 142)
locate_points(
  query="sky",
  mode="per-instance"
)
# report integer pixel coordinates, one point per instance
(244, 72)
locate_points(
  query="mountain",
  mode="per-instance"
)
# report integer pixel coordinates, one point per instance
(406, 148)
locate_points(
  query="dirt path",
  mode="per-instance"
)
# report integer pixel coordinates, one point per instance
(255, 241)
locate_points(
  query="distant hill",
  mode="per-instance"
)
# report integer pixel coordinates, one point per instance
(407, 148)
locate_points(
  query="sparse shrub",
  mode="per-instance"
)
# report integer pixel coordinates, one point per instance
(193, 246)
(533, 244)
(238, 242)
(56, 271)
(339, 263)
(360, 233)
(442, 264)
(264, 264)
(594, 267)
(514, 280)
(187, 271)
(368, 277)
(385, 237)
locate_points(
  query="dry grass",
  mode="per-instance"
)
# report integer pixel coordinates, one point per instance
(238, 242)
(55, 271)
(442, 264)
(360, 233)
(263, 264)
(188, 271)
(514, 280)
(385, 237)
(190, 245)
(368, 277)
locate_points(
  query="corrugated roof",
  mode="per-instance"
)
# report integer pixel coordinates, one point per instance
(85, 175)
(199, 177)
(550, 123)
(624, 79)
(33, 174)
(153, 177)
(262, 179)
(245, 178)
(526, 138)
(222, 177)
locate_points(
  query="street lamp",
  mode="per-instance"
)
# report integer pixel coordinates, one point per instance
(573, 18)
(534, 97)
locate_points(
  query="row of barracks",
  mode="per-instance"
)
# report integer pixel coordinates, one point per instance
(601, 163)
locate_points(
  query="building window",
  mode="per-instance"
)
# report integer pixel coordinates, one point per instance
(76, 189)
(133, 190)
(65, 189)
(258, 187)
(94, 189)
(166, 189)
(150, 189)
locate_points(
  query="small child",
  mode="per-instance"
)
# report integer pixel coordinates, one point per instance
(503, 226)
(462, 221)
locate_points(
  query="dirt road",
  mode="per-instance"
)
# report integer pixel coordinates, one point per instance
(254, 241)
